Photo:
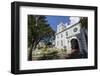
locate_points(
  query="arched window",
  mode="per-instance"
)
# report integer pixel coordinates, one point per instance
(57, 43)
(61, 43)
(66, 33)
(61, 35)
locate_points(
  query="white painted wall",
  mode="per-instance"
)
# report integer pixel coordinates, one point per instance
(5, 41)
(64, 40)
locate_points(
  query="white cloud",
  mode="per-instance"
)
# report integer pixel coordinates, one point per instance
(66, 24)
(74, 20)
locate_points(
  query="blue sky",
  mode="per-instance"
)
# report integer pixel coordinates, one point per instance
(55, 20)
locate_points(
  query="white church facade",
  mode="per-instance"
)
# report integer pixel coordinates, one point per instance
(66, 33)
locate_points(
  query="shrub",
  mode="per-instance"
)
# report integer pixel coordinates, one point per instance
(49, 54)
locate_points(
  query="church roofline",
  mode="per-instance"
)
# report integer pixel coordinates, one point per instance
(61, 23)
(67, 28)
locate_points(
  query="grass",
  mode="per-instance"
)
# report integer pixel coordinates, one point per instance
(48, 53)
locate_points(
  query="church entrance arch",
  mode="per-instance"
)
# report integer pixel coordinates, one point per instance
(75, 49)
(74, 44)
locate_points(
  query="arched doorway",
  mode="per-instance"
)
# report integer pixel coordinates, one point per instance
(75, 53)
(74, 44)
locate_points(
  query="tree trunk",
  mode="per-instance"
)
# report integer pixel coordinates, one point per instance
(33, 46)
(36, 43)
(30, 54)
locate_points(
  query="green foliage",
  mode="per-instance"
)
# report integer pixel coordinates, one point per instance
(38, 29)
(49, 55)
(84, 22)
(45, 54)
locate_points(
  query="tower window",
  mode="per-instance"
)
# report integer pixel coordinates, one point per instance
(66, 33)
(61, 35)
(57, 36)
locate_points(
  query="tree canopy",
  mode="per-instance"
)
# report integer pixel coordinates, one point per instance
(38, 29)
(84, 22)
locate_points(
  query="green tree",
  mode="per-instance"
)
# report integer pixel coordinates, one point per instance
(84, 25)
(84, 29)
(38, 29)
(84, 22)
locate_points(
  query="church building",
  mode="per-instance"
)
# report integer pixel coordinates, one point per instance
(71, 35)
